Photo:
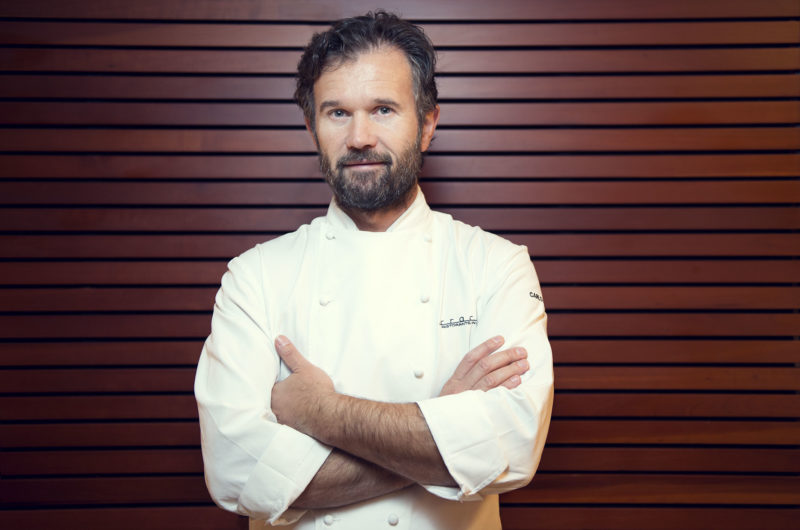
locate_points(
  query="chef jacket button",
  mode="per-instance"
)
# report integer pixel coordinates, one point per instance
(424, 298)
(393, 519)
(330, 235)
(328, 520)
(418, 374)
(428, 238)
(324, 300)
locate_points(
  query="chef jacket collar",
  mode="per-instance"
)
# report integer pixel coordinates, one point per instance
(415, 216)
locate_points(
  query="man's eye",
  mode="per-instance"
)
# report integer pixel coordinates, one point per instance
(384, 110)
(338, 113)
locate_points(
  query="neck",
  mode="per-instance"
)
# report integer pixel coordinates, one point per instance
(380, 220)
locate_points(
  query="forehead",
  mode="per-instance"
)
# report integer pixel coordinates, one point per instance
(382, 73)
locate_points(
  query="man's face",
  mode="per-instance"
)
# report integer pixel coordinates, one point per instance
(369, 139)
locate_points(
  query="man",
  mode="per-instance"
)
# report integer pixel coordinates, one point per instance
(383, 366)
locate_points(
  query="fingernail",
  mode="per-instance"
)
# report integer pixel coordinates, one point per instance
(497, 340)
(280, 340)
(523, 364)
(521, 352)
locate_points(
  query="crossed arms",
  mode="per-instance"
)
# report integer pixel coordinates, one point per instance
(379, 447)
(268, 456)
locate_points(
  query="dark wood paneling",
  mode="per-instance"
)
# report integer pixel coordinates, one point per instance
(646, 153)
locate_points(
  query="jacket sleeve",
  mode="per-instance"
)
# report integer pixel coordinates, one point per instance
(491, 442)
(253, 465)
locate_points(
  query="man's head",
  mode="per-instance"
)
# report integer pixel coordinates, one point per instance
(346, 39)
(367, 91)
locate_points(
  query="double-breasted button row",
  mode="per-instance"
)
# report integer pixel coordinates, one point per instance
(392, 519)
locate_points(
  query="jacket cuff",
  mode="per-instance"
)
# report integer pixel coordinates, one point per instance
(465, 437)
(282, 473)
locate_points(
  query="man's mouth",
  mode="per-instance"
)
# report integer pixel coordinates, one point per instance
(364, 163)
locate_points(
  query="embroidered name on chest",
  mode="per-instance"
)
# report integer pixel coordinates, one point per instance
(460, 322)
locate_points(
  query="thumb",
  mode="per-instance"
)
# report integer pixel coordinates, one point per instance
(289, 354)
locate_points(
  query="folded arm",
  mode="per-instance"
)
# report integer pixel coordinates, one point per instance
(394, 436)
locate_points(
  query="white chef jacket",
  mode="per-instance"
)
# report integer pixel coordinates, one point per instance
(388, 315)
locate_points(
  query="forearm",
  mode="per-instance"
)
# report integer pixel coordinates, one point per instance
(345, 479)
(393, 436)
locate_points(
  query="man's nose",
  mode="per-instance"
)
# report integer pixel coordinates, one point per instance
(361, 134)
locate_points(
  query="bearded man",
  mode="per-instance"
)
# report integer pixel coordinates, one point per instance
(383, 366)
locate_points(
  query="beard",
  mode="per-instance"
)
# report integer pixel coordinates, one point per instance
(376, 189)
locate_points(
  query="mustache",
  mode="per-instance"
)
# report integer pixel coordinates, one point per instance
(367, 156)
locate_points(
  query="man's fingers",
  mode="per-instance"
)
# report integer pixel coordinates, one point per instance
(507, 375)
(475, 355)
(289, 354)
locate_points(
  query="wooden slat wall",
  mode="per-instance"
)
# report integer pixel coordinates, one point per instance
(648, 153)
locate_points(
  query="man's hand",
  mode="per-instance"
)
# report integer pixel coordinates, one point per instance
(295, 398)
(479, 370)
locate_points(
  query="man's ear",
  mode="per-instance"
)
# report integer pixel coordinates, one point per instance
(428, 128)
(310, 130)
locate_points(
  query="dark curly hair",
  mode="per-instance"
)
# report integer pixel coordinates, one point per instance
(349, 37)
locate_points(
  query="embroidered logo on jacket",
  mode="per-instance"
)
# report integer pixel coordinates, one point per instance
(537, 296)
(460, 322)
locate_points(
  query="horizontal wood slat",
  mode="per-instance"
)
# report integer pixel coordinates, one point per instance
(412, 9)
(145, 434)
(453, 86)
(453, 114)
(675, 351)
(151, 353)
(590, 271)
(20, 493)
(643, 431)
(266, 194)
(604, 459)
(194, 61)
(90, 299)
(201, 167)
(651, 517)
(540, 245)
(70, 33)
(181, 326)
(549, 488)
(447, 140)
(122, 518)
(596, 351)
(592, 400)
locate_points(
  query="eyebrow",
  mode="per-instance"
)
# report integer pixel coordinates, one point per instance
(328, 103)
